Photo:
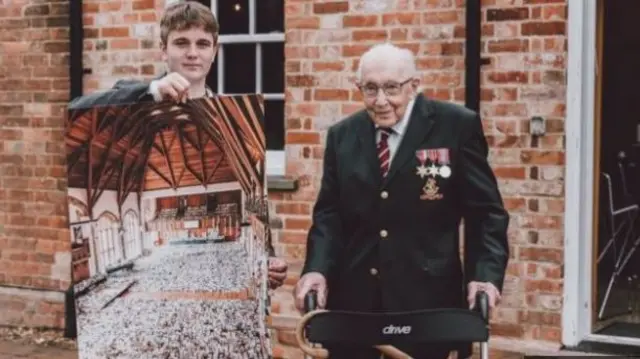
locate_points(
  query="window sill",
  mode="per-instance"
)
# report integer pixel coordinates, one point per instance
(279, 183)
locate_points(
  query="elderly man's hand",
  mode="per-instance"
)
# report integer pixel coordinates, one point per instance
(310, 281)
(492, 292)
(277, 272)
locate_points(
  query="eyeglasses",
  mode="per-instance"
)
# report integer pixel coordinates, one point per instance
(389, 88)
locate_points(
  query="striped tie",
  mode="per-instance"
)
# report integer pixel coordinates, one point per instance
(384, 154)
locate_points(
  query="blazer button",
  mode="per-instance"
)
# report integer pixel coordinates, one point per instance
(373, 271)
(383, 233)
(384, 194)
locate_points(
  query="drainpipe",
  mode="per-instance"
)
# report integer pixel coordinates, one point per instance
(472, 63)
(473, 33)
(76, 72)
(76, 45)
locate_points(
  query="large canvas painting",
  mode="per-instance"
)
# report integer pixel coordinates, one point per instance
(168, 221)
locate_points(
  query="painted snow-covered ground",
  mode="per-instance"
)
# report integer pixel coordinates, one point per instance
(186, 301)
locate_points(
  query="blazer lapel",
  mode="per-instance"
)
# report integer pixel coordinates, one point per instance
(367, 160)
(418, 128)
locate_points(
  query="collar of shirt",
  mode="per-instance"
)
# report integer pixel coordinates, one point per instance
(400, 127)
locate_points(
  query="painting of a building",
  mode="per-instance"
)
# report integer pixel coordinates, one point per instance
(167, 220)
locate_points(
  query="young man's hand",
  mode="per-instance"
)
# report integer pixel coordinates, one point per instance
(277, 272)
(171, 87)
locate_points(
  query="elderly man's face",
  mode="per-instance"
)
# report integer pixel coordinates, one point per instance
(387, 89)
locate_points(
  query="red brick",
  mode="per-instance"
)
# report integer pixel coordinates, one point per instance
(507, 14)
(330, 7)
(144, 4)
(360, 21)
(330, 95)
(370, 35)
(401, 19)
(114, 32)
(302, 138)
(511, 45)
(304, 22)
(543, 28)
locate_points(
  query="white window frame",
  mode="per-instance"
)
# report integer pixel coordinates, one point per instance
(275, 159)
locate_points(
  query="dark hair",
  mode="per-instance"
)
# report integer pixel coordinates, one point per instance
(186, 15)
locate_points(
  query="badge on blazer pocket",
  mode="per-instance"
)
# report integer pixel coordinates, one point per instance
(430, 190)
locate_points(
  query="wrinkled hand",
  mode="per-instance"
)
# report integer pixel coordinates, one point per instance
(277, 272)
(307, 282)
(492, 292)
(173, 86)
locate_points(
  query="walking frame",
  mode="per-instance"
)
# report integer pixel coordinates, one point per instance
(384, 330)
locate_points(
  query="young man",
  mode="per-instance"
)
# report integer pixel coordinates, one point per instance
(189, 41)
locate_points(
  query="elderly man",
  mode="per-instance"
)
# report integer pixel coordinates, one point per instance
(398, 178)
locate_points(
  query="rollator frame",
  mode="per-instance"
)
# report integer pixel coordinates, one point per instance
(478, 318)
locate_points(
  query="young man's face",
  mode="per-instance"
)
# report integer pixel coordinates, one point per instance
(190, 53)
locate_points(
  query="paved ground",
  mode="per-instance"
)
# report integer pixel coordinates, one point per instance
(13, 350)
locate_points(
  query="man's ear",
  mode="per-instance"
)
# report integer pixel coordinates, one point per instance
(163, 48)
(415, 83)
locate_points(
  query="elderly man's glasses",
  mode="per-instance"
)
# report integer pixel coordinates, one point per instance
(389, 88)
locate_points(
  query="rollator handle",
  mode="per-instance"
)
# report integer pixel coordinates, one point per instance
(311, 301)
(482, 304)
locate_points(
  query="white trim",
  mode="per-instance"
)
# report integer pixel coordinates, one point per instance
(258, 68)
(579, 125)
(251, 38)
(276, 161)
(267, 96)
(184, 191)
(220, 69)
(252, 16)
(610, 339)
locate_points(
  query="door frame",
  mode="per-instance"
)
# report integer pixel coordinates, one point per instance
(579, 171)
(582, 165)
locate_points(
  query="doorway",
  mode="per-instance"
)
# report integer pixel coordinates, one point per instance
(616, 221)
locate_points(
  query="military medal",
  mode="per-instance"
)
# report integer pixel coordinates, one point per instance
(443, 159)
(433, 158)
(422, 157)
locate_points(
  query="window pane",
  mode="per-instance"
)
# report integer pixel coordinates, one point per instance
(273, 67)
(206, 3)
(233, 16)
(274, 124)
(212, 77)
(269, 16)
(239, 68)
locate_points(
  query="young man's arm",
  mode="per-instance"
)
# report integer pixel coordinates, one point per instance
(122, 92)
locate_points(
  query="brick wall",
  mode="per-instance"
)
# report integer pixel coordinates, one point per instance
(34, 242)
(523, 39)
(122, 40)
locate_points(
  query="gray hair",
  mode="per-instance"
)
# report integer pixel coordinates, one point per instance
(390, 53)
